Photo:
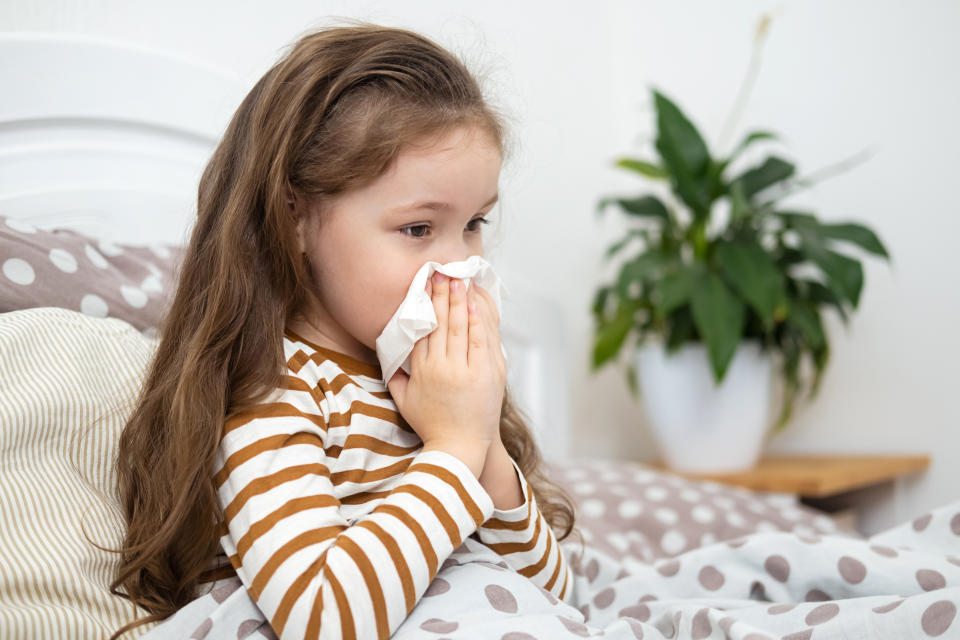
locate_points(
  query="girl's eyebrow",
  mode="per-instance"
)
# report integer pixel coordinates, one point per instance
(436, 206)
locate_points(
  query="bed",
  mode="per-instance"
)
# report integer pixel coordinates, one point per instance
(99, 157)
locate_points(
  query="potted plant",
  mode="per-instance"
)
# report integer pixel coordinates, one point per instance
(709, 311)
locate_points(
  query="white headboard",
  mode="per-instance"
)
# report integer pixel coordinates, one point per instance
(110, 139)
(105, 137)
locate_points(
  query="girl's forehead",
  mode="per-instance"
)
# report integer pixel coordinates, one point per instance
(435, 205)
(458, 171)
(441, 181)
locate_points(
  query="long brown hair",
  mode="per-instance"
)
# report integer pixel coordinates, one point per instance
(330, 116)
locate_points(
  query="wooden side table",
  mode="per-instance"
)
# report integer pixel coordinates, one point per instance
(819, 481)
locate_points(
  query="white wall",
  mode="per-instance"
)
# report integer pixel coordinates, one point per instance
(837, 77)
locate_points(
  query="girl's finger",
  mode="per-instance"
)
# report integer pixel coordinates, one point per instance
(485, 302)
(478, 334)
(457, 322)
(482, 311)
(441, 306)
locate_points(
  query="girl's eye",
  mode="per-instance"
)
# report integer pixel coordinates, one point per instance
(415, 235)
(481, 221)
(424, 227)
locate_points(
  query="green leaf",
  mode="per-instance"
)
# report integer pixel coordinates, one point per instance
(632, 380)
(684, 154)
(645, 266)
(680, 328)
(645, 206)
(789, 256)
(719, 317)
(856, 234)
(821, 357)
(791, 366)
(798, 219)
(649, 206)
(821, 295)
(600, 301)
(631, 234)
(674, 289)
(772, 171)
(643, 167)
(610, 335)
(715, 185)
(739, 207)
(602, 205)
(845, 274)
(754, 275)
(804, 316)
(752, 137)
(807, 320)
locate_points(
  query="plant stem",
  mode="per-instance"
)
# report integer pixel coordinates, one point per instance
(700, 240)
(748, 82)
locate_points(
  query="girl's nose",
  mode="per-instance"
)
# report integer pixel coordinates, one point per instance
(455, 256)
(458, 249)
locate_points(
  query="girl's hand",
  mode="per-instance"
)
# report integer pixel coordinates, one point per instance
(492, 318)
(454, 392)
(488, 307)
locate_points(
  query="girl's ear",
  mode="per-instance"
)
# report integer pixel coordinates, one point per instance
(291, 201)
(297, 216)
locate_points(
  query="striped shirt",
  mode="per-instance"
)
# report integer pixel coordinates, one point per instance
(336, 521)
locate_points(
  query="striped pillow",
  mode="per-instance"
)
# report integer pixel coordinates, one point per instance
(67, 382)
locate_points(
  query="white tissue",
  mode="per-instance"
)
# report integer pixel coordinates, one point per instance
(415, 316)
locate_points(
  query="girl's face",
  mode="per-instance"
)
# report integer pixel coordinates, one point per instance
(426, 207)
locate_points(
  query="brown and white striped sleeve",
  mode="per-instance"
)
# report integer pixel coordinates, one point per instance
(527, 543)
(313, 572)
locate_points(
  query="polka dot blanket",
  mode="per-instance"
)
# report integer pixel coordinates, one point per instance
(897, 584)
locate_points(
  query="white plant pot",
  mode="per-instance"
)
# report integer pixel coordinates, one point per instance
(699, 426)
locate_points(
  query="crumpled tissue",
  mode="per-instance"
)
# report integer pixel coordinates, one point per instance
(415, 316)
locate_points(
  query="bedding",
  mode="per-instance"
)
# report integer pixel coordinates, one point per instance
(66, 382)
(666, 556)
(637, 514)
(901, 583)
(66, 268)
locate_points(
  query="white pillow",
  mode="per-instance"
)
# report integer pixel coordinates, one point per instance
(60, 371)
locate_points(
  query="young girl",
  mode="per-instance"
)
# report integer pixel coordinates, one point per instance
(265, 443)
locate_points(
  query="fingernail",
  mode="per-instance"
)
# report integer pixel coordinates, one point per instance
(454, 285)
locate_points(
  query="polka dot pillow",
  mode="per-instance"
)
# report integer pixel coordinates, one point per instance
(67, 269)
(635, 513)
